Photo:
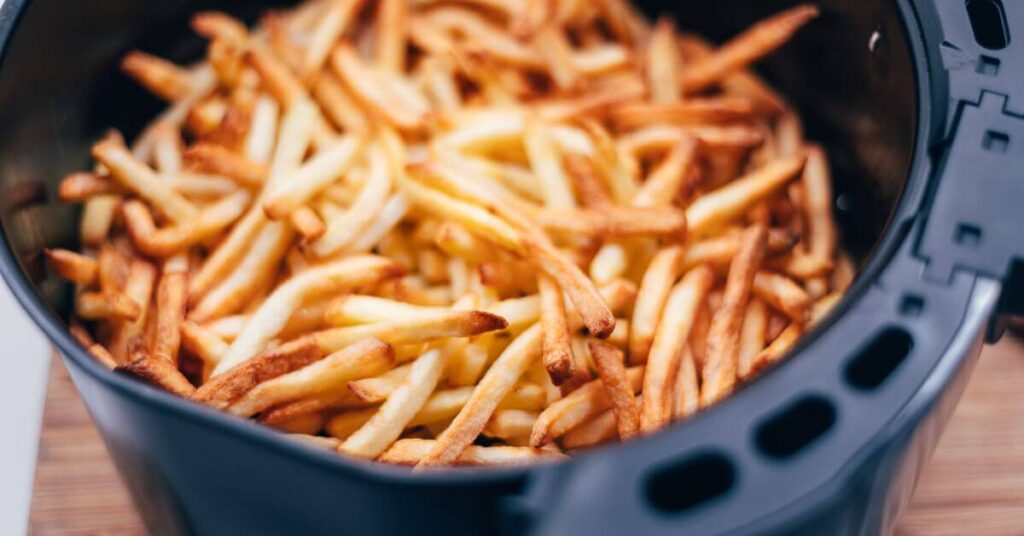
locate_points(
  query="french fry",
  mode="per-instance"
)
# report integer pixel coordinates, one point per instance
(510, 424)
(668, 179)
(774, 352)
(207, 157)
(556, 349)
(657, 283)
(663, 63)
(360, 360)
(171, 300)
(159, 76)
(726, 203)
(106, 305)
(414, 451)
(417, 330)
(73, 267)
(783, 294)
(386, 95)
(353, 272)
(357, 309)
(84, 186)
(577, 407)
(692, 112)
(405, 402)
(754, 43)
(311, 178)
(752, 335)
(686, 395)
(171, 240)
(546, 164)
(379, 388)
(329, 28)
(139, 178)
(600, 429)
(159, 373)
(344, 230)
(719, 371)
(138, 287)
(677, 320)
(202, 343)
(391, 44)
(612, 372)
(556, 50)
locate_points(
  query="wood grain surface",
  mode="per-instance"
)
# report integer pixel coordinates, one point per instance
(974, 484)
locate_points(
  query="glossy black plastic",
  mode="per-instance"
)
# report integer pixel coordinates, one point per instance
(868, 78)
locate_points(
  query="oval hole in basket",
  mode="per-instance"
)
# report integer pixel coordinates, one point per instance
(876, 361)
(689, 482)
(988, 22)
(796, 426)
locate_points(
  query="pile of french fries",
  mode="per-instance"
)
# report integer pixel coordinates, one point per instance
(473, 232)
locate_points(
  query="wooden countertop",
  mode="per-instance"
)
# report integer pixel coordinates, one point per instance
(974, 484)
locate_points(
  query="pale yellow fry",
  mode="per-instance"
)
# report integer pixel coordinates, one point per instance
(495, 384)
(139, 178)
(366, 358)
(677, 320)
(329, 27)
(379, 388)
(418, 330)
(663, 63)
(510, 424)
(358, 309)
(655, 286)
(387, 424)
(547, 164)
(342, 231)
(774, 352)
(323, 169)
(273, 314)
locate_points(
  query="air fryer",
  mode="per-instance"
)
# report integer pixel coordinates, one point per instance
(921, 108)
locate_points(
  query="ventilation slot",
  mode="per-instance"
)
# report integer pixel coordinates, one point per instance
(877, 361)
(988, 22)
(695, 480)
(795, 427)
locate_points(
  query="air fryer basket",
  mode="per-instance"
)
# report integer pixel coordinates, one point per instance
(920, 113)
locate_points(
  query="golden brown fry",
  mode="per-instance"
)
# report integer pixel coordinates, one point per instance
(173, 239)
(359, 360)
(696, 111)
(330, 26)
(171, 299)
(612, 371)
(161, 77)
(752, 335)
(319, 172)
(391, 21)
(728, 202)
(109, 305)
(553, 45)
(556, 348)
(159, 373)
(207, 157)
(669, 178)
(719, 371)
(575, 408)
(774, 352)
(754, 43)
(600, 429)
(677, 320)
(783, 294)
(73, 267)
(686, 395)
(84, 186)
(663, 63)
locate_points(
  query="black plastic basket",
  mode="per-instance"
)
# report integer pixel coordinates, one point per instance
(921, 107)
